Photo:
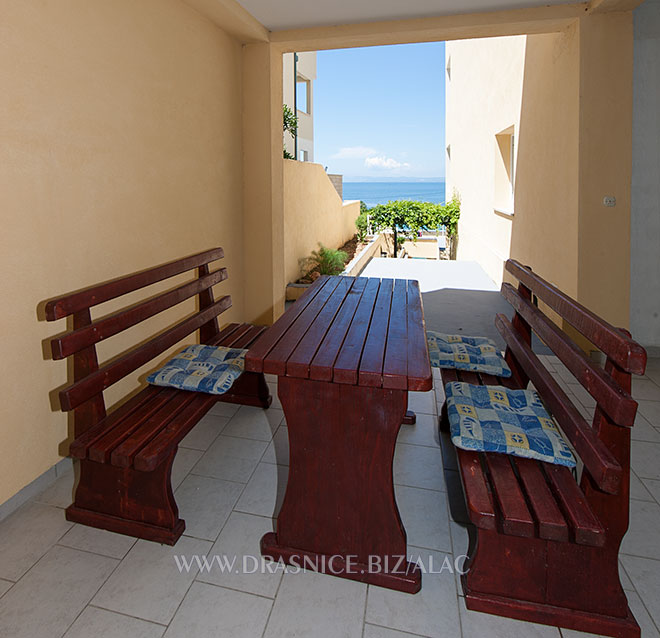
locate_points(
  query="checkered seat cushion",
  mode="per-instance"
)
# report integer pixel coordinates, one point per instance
(492, 418)
(476, 354)
(199, 368)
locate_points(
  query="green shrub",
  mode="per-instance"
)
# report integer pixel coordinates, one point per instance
(290, 124)
(362, 222)
(327, 261)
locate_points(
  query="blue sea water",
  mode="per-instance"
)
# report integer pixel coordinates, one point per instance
(373, 193)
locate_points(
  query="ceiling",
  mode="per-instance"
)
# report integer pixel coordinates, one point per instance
(295, 14)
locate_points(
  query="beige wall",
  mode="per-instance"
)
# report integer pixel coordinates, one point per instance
(484, 89)
(313, 214)
(120, 128)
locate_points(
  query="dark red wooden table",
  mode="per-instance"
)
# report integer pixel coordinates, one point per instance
(346, 353)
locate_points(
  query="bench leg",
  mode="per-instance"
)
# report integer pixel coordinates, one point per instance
(249, 389)
(443, 420)
(127, 501)
(553, 583)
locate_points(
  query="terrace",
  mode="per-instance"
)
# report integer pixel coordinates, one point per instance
(141, 132)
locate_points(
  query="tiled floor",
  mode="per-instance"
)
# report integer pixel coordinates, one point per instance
(59, 579)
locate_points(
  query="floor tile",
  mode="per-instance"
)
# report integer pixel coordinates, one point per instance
(205, 504)
(254, 423)
(645, 575)
(184, 461)
(239, 540)
(424, 432)
(5, 585)
(99, 541)
(640, 611)
(231, 458)
(147, 584)
(637, 489)
(626, 583)
(278, 449)
(644, 431)
(108, 624)
(424, 516)
(645, 389)
(653, 373)
(319, 605)
(27, 535)
(60, 493)
(431, 612)
(208, 611)
(422, 402)
(638, 541)
(264, 493)
(418, 466)
(374, 631)
(650, 410)
(224, 409)
(205, 432)
(653, 487)
(475, 624)
(644, 456)
(271, 378)
(52, 594)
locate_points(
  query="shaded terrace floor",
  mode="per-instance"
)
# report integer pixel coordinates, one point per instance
(62, 579)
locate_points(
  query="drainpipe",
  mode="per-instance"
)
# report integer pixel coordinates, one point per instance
(295, 103)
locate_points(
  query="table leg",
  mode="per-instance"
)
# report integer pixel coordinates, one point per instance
(339, 514)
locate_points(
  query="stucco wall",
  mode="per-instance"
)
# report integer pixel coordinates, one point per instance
(121, 128)
(313, 213)
(645, 222)
(484, 89)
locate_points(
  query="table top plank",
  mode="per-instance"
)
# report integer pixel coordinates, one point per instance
(348, 360)
(299, 362)
(395, 365)
(254, 360)
(373, 354)
(275, 363)
(321, 368)
(419, 365)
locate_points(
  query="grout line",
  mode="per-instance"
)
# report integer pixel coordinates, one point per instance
(405, 633)
(121, 613)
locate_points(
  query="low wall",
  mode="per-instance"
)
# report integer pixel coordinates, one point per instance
(357, 264)
(313, 213)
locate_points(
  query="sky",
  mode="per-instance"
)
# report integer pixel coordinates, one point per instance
(380, 111)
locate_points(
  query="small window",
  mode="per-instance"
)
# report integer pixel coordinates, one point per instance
(303, 156)
(303, 103)
(449, 68)
(505, 170)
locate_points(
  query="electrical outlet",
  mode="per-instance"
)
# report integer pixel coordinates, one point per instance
(610, 202)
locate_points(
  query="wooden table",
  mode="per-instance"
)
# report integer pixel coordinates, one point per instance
(346, 353)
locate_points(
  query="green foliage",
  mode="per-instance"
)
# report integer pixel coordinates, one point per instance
(290, 124)
(410, 217)
(361, 223)
(328, 261)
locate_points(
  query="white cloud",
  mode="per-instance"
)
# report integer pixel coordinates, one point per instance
(354, 152)
(381, 161)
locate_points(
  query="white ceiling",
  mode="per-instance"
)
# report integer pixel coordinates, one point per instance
(293, 14)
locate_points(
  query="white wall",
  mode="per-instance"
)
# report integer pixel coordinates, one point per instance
(306, 68)
(645, 204)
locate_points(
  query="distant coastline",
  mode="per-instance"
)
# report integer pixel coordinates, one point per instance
(374, 193)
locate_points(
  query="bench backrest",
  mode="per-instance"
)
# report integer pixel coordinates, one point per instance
(85, 395)
(604, 445)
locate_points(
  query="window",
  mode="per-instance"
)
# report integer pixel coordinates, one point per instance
(303, 156)
(303, 102)
(505, 170)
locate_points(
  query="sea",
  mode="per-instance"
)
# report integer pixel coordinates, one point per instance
(373, 193)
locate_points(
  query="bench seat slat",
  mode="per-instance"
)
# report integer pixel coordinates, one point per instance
(122, 455)
(551, 523)
(479, 500)
(150, 456)
(101, 449)
(516, 519)
(247, 338)
(585, 526)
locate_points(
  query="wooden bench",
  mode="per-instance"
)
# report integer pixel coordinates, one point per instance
(543, 545)
(126, 456)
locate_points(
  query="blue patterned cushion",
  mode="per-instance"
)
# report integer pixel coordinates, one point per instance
(199, 368)
(492, 418)
(477, 354)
